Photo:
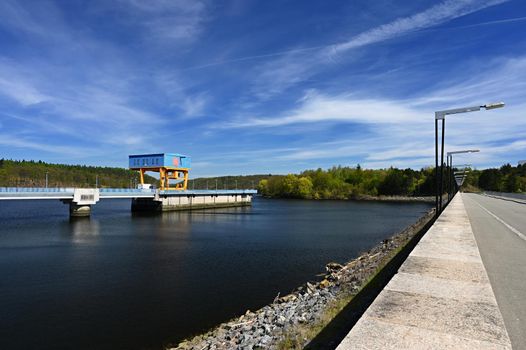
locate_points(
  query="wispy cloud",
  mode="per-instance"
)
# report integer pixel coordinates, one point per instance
(175, 20)
(298, 65)
(128, 76)
(317, 108)
(433, 16)
(400, 131)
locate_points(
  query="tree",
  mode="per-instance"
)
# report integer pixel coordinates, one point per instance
(394, 183)
(490, 180)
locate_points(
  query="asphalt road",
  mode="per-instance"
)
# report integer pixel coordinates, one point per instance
(500, 230)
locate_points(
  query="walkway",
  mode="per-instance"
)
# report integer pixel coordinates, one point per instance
(499, 226)
(441, 297)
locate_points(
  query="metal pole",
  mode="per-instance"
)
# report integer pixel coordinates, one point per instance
(442, 164)
(447, 176)
(451, 174)
(216, 184)
(96, 181)
(236, 184)
(436, 168)
(46, 179)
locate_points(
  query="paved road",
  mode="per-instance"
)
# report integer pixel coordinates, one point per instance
(499, 227)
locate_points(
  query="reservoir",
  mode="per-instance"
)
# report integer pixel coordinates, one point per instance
(119, 280)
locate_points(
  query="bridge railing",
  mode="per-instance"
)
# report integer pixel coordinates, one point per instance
(35, 189)
(125, 190)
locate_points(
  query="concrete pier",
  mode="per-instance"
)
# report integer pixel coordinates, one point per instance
(79, 210)
(441, 297)
(191, 202)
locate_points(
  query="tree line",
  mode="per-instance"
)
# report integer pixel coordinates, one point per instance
(507, 178)
(29, 173)
(348, 182)
(335, 183)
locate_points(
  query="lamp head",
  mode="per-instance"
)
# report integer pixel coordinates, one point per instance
(493, 105)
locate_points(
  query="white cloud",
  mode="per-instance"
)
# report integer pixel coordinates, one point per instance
(300, 64)
(443, 12)
(175, 20)
(27, 143)
(21, 92)
(401, 132)
(317, 108)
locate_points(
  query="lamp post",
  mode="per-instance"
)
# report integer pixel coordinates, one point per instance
(449, 162)
(441, 115)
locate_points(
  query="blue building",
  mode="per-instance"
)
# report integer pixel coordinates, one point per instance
(158, 160)
(170, 166)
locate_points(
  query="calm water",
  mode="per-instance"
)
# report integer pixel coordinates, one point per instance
(123, 281)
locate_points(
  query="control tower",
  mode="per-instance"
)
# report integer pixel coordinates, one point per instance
(170, 166)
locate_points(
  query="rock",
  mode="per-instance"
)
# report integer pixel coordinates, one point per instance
(281, 321)
(325, 283)
(288, 298)
(333, 267)
(263, 328)
(265, 341)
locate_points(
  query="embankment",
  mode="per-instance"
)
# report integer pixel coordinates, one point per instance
(317, 315)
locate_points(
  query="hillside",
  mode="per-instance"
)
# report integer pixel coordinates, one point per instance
(228, 182)
(33, 174)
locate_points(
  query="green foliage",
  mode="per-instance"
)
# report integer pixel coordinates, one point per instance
(227, 182)
(505, 179)
(24, 173)
(346, 182)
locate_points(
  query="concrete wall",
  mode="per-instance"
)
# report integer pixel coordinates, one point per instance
(191, 202)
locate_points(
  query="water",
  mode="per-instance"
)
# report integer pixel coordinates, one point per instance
(119, 280)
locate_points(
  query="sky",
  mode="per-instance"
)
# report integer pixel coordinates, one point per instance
(258, 87)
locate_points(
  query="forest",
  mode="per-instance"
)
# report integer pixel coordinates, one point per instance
(354, 182)
(29, 173)
(338, 182)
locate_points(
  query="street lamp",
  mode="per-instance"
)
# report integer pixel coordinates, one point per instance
(441, 115)
(449, 161)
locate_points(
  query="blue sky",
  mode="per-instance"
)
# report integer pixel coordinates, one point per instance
(249, 87)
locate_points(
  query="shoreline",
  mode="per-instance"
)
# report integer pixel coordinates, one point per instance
(419, 199)
(294, 320)
(430, 199)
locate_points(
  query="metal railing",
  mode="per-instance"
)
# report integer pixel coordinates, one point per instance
(125, 190)
(36, 189)
(121, 190)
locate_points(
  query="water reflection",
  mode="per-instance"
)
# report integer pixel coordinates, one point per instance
(82, 229)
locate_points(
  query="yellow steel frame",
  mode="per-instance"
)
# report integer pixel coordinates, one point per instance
(166, 174)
